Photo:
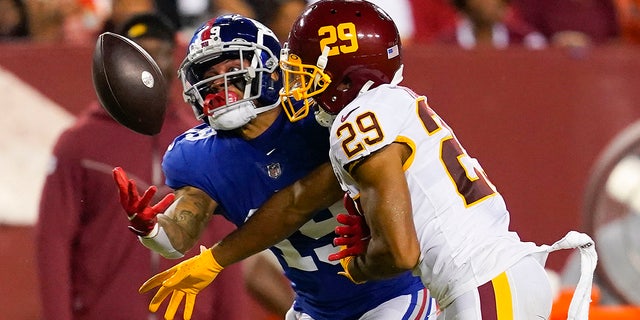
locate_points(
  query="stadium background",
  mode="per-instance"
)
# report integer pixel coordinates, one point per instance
(536, 120)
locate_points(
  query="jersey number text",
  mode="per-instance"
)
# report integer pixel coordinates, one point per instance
(345, 31)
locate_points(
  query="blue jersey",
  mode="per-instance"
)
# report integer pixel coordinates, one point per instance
(241, 175)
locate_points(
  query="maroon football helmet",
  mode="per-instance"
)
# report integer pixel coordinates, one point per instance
(334, 48)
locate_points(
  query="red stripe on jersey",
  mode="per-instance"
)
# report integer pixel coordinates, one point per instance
(487, 301)
(425, 297)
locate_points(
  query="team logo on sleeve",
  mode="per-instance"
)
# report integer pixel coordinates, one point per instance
(274, 170)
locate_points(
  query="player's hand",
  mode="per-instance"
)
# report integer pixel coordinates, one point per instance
(353, 235)
(344, 262)
(183, 281)
(142, 216)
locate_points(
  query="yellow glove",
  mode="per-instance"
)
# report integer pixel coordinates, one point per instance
(344, 262)
(184, 279)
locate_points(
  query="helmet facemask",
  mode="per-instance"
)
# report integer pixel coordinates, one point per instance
(301, 82)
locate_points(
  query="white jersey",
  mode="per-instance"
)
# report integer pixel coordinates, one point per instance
(461, 220)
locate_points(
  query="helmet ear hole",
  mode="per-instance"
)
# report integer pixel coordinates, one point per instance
(345, 85)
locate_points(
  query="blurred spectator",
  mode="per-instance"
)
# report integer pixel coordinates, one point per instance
(281, 19)
(80, 21)
(45, 19)
(48, 19)
(90, 265)
(490, 23)
(431, 18)
(121, 10)
(572, 23)
(628, 12)
(192, 14)
(169, 8)
(14, 20)
(278, 15)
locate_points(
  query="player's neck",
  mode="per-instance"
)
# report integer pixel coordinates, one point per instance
(260, 124)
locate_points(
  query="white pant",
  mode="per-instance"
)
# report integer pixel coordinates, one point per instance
(522, 292)
(416, 306)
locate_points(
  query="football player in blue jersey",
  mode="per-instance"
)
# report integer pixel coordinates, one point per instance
(248, 158)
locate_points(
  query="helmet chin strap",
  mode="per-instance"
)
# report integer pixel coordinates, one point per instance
(321, 64)
(260, 110)
(233, 117)
(397, 77)
(223, 117)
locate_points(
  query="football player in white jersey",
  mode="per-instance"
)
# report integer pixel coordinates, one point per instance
(429, 205)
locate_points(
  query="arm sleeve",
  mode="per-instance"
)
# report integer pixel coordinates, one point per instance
(59, 215)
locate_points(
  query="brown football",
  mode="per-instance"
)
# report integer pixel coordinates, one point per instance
(129, 84)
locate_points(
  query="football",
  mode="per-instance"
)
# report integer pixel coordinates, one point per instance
(129, 84)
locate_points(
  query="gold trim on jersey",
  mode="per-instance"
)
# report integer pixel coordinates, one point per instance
(504, 304)
(412, 145)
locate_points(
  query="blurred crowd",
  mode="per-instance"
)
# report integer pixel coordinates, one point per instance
(535, 24)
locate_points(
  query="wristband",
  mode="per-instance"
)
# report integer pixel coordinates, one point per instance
(158, 241)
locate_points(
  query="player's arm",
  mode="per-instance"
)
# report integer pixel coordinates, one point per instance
(187, 217)
(280, 216)
(386, 203)
(172, 225)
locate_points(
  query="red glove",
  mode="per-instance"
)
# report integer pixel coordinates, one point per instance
(353, 235)
(142, 217)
